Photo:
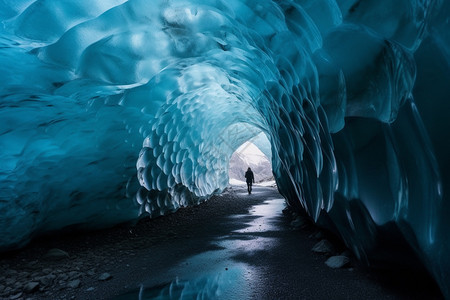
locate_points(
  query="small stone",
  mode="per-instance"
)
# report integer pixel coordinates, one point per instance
(298, 222)
(324, 247)
(15, 296)
(318, 235)
(74, 275)
(32, 263)
(47, 279)
(104, 276)
(31, 287)
(90, 289)
(23, 274)
(18, 285)
(56, 254)
(337, 261)
(74, 283)
(63, 277)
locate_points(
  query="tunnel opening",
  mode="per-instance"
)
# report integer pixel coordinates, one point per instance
(249, 155)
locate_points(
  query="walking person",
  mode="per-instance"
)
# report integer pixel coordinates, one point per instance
(250, 179)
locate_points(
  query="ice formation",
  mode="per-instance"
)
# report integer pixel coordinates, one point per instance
(113, 109)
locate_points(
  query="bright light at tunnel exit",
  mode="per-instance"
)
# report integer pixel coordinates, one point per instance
(249, 155)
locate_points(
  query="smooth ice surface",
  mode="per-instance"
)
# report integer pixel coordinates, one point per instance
(111, 110)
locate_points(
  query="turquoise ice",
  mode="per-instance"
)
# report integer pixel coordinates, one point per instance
(114, 110)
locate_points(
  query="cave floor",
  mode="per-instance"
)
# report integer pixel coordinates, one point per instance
(234, 246)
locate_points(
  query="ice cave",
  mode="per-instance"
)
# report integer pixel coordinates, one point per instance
(116, 109)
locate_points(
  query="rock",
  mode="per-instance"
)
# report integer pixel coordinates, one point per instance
(324, 247)
(91, 272)
(337, 261)
(318, 235)
(90, 289)
(46, 271)
(7, 290)
(298, 222)
(56, 254)
(31, 287)
(47, 279)
(63, 277)
(74, 275)
(32, 263)
(15, 296)
(74, 283)
(23, 275)
(286, 211)
(18, 285)
(104, 276)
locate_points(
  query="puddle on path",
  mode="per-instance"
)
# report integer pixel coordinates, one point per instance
(215, 274)
(218, 283)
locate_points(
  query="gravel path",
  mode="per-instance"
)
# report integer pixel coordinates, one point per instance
(239, 240)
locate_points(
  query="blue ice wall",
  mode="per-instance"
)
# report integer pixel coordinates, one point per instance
(112, 110)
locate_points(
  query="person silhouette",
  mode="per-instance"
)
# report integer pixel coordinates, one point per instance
(250, 179)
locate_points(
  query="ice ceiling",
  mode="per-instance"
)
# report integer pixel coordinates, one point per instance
(114, 109)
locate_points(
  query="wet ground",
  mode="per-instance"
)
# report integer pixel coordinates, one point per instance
(235, 246)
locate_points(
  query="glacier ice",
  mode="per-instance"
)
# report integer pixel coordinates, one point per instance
(111, 110)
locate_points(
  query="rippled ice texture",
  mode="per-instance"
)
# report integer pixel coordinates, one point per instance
(111, 110)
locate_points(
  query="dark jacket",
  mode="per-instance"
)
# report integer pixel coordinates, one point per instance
(249, 176)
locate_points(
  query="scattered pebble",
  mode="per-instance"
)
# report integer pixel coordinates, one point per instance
(91, 272)
(318, 235)
(31, 287)
(46, 280)
(56, 254)
(298, 222)
(15, 296)
(324, 247)
(104, 276)
(74, 283)
(337, 261)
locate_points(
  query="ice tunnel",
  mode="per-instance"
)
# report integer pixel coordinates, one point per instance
(111, 110)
